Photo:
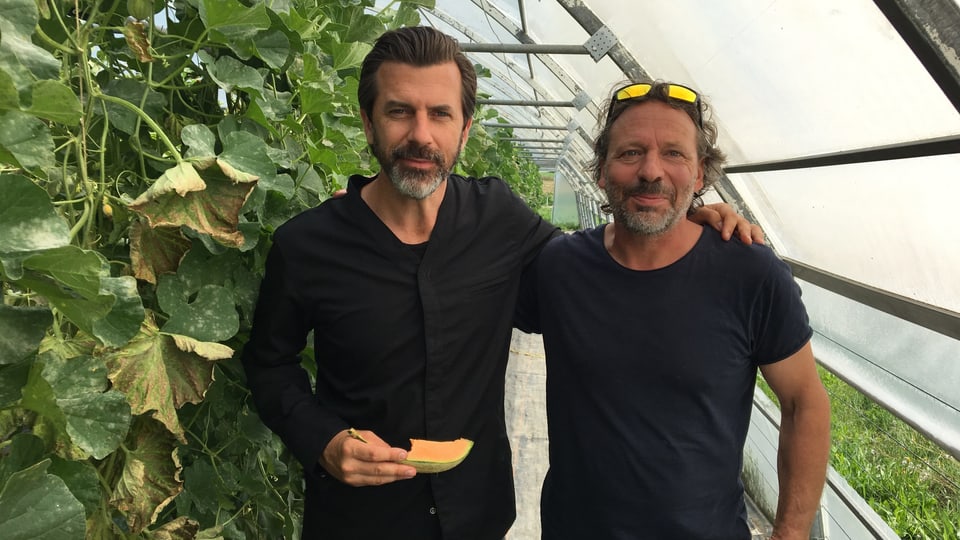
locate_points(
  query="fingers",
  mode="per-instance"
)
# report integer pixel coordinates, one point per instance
(359, 463)
(359, 472)
(757, 234)
(724, 218)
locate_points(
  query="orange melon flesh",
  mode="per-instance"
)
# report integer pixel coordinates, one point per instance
(437, 456)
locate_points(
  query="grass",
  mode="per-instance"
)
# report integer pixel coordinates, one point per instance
(906, 478)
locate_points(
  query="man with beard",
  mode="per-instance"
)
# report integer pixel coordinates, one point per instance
(654, 329)
(409, 284)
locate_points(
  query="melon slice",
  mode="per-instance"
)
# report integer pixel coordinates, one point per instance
(437, 456)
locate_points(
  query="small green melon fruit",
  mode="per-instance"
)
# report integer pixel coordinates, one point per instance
(437, 456)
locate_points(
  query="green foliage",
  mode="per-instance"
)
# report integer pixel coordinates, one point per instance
(907, 479)
(143, 167)
(490, 153)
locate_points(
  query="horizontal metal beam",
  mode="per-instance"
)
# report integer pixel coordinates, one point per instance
(929, 147)
(521, 139)
(523, 126)
(926, 315)
(523, 48)
(526, 103)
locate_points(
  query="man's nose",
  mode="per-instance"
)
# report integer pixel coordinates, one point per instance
(651, 167)
(420, 129)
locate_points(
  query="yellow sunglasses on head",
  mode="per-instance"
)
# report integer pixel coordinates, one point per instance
(674, 91)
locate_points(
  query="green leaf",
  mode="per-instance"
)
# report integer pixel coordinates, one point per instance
(54, 101)
(97, 419)
(27, 218)
(212, 316)
(408, 14)
(34, 504)
(273, 47)
(22, 451)
(106, 307)
(245, 158)
(120, 324)
(150, 478)
(231, 74)
(317, 91)
(361, 27)
(199, 267)
(275, 105)
(157, 377)
(429, 4)
(201, 482)
(12, 380)
(21, 329)
(234, 24)
(201, 142)
(133, 92)
(23, 61)
(51, 423)
(349, 55)
(82, 480)
(9, 97)
(26, 139)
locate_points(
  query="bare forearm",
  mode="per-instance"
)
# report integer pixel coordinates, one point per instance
(802, 463)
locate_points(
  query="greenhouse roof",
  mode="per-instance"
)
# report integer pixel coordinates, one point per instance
(840, 120)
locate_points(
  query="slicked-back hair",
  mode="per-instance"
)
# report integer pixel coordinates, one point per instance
(713, 158)
(419, 46)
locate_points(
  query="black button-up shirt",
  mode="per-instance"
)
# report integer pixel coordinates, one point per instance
(404, 346)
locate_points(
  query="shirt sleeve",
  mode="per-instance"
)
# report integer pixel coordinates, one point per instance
(280, 386)
(780, 322)
(536, 232)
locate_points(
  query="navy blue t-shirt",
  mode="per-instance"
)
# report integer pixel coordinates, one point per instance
(650, 378)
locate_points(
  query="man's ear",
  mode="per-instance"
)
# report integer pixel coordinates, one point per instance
(367, 126)
(602, 180)
(465, 134)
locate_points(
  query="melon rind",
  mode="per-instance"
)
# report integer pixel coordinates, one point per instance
(428, 467)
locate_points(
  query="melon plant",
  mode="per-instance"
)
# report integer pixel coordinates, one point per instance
(148, 149)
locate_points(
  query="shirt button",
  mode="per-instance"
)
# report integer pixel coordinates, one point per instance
(433, 510)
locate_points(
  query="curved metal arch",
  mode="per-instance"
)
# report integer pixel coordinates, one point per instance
(503, 59)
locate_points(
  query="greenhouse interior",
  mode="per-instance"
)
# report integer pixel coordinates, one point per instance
(149, 149)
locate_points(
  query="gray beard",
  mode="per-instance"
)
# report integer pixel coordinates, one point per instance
(416, 184)
(643, 222)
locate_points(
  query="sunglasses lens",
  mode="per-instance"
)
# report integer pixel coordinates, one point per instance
(682, 93)
(632, 91)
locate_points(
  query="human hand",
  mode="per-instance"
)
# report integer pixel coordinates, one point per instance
(361, 458)
(723, 217)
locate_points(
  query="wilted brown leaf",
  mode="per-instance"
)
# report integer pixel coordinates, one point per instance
(157, 376)
(155, 251)
(151, 475)
(214, 210)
